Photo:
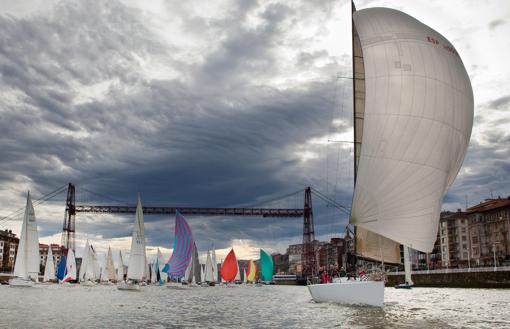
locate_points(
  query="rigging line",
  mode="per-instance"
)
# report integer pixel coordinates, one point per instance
(44, 198)
(105, 196)
(333, 202)
(275, 199)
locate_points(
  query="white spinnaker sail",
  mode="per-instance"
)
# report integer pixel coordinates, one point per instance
(120, 268)
(49, 269)
(27, 257)
(417, 124)
(137, 259)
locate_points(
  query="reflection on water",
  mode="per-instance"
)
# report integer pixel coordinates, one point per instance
(246, 306)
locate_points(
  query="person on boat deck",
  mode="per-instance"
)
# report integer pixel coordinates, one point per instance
(325, 278)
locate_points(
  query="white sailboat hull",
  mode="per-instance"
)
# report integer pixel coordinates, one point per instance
(349, 292)
(20, 282)
(129, 286)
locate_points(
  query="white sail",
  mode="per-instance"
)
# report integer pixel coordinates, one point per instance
(110, 267)
(244, 276)
(49, 269)
(215, 265)
(137, 259)
(161, 264)
(416, 128)
(238, 275)
(27, 257)
(94, 264)
(208, 272)
(153, 271)
(407, 266)
(87, 271)
(202, 275)
(189, 271)
(70, 267)
(120, 268)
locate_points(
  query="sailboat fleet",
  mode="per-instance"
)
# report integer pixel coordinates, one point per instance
(183, 269)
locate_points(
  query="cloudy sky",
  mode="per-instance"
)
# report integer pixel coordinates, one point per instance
(218, 103)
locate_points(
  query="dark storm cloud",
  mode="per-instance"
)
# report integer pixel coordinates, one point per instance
(501, 103)
(221, 138)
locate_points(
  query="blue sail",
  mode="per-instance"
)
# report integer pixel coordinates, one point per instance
(61, 271)
(183, 247)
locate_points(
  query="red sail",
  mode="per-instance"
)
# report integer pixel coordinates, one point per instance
(229, 268)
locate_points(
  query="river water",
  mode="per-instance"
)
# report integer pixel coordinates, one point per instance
(57, 306)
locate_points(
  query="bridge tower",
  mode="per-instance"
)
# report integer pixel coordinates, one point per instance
(68, 230)
(308, 257)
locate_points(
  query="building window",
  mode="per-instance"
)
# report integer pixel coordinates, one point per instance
(464, 238)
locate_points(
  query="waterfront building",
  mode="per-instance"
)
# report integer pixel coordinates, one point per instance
(8, 247)
(454, 239)
(281, 263)
(489, 231)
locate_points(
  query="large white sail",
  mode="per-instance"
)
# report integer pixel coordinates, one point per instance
(110, 267)
(208, 272)
(418, 115)
(153, 271)
(70, 267)
(87, 267)
(238, 275)
(120, 268)
(215, 265)
(137, 259)
(27, 257)
(49, 268)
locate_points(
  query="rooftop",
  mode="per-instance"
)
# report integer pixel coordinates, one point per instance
(489, 204)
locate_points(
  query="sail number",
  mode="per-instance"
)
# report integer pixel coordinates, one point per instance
(448, 48)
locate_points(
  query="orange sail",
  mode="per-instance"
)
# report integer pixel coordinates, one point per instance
(229, 268)
(252, 271)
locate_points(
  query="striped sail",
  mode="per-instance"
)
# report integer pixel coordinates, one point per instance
(183, 247)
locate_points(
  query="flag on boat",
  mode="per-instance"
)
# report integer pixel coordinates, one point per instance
(183, 247)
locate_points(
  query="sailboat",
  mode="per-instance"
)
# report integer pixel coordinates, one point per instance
(192, 275)
(245, 280)
(70, 268)
(266, 267)
(49, 268)
(413, 115)
(237, 279)
(252, 271)
(209, 270)
(160, 264)
(87, 269)
(230, 268)
(215, 264)
(108, 272)
(137, 259)
(120, 268)
(182, 251)
(153, 266)
(26, 266)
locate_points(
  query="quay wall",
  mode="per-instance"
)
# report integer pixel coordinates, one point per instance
(486, 279)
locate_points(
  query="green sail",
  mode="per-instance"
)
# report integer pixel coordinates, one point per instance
(266, 266)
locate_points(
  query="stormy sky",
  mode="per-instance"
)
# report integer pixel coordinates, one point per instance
(220, 104)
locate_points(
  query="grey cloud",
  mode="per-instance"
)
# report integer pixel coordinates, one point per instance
(495, 23)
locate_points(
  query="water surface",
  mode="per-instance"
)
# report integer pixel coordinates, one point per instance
(246, 307)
